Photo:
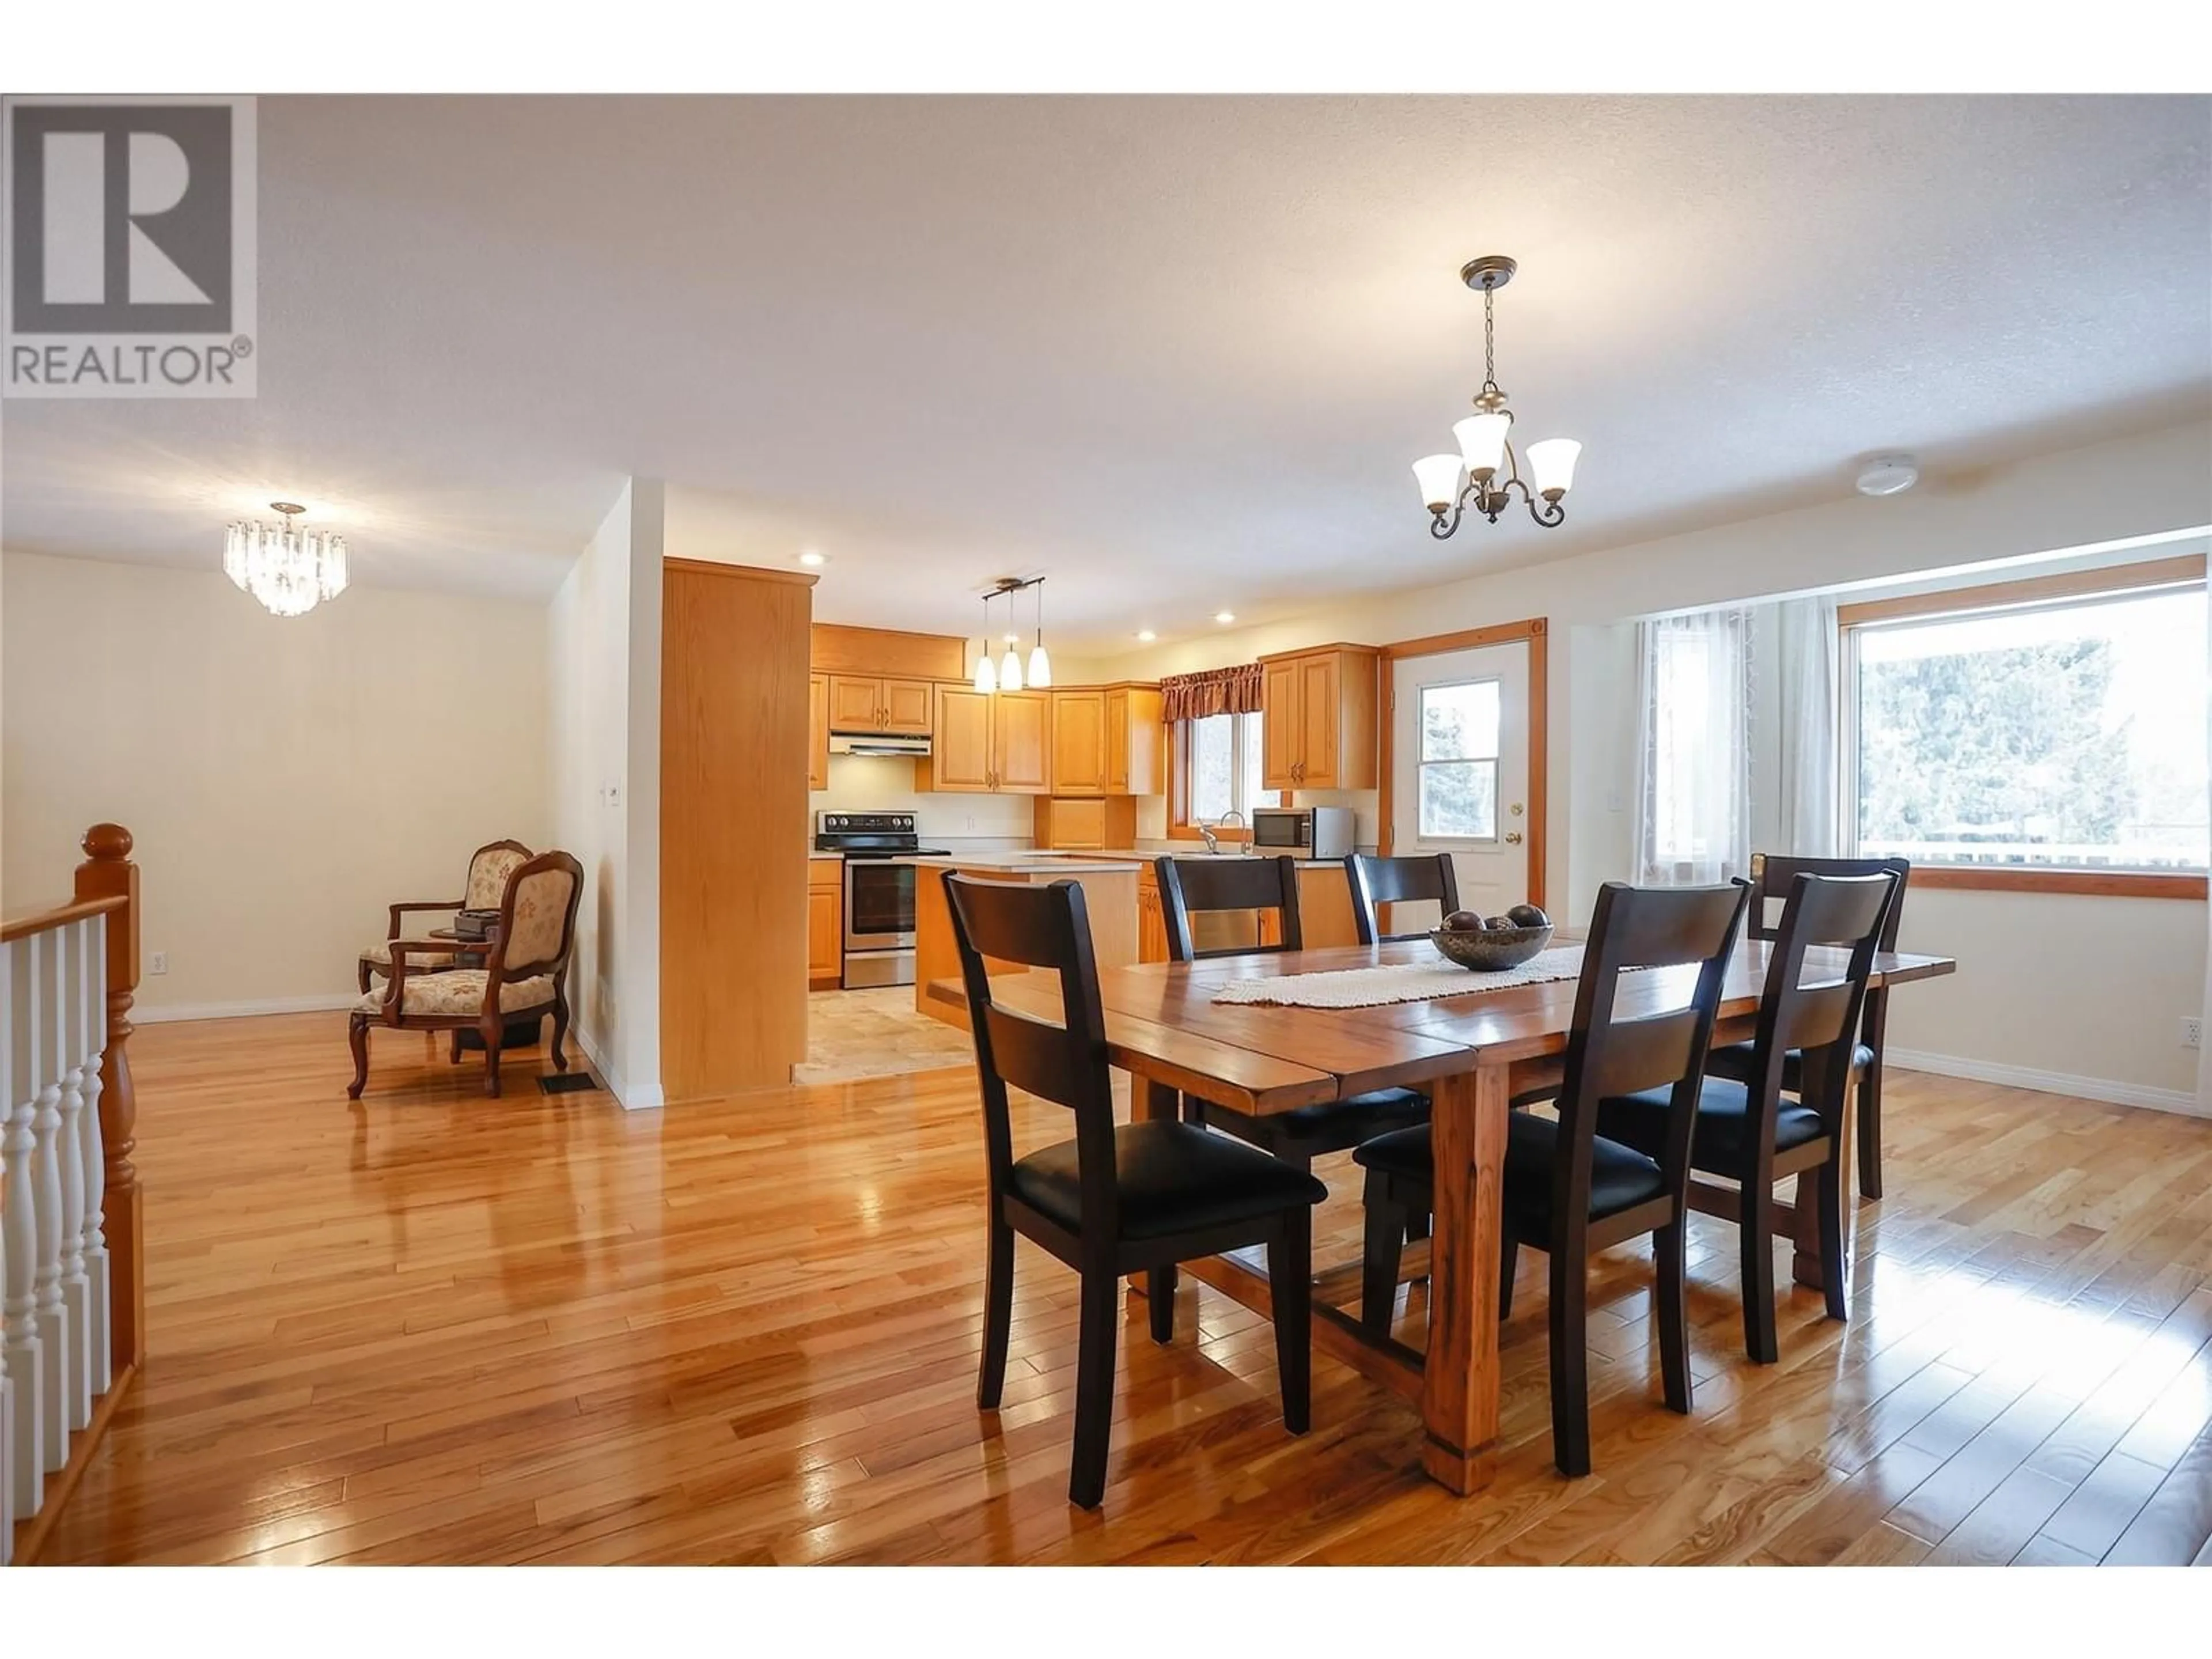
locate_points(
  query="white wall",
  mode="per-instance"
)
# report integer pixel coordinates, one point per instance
(603, 738)
(2007, 999)
(286, 779)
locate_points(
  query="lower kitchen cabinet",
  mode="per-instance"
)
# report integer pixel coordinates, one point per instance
(825, 924)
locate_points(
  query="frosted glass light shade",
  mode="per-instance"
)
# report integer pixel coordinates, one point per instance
(987, 677)
(1551, 465)
(1010, 672)
(1438, 477)
(1040, 669)
(1482, 443)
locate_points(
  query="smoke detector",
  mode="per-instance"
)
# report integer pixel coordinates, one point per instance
(1886, 475)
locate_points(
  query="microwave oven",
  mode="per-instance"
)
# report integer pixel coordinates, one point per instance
(1307, 832)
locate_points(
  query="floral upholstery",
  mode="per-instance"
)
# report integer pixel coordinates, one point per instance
(541, 913)
(458, 991)
(488, 874)
(379, 958)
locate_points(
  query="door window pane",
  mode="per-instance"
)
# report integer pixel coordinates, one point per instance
(1458, 780)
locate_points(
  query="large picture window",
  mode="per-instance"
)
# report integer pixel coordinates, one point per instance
(2063, 735)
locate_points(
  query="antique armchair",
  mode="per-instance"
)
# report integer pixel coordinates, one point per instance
(524, 976)
(489, 868)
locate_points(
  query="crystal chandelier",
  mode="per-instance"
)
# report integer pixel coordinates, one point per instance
(1006, 675)
(1450, 484)
(289, 569)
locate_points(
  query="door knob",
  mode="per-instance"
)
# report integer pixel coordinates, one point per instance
(1512, 837)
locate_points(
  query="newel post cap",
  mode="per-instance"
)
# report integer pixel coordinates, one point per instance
(107, 843)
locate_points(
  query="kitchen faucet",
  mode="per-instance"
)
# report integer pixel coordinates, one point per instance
(1206, 832)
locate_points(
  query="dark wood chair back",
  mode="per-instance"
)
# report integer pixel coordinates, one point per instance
(1773, 876)
(1047, 927)
(1191, 887)
(1821, 1018)
(1633, 928)
(1376, 882)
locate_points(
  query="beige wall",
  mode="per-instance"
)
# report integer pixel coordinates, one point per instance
(286, 779)
(2010, 1010)
(602, 744)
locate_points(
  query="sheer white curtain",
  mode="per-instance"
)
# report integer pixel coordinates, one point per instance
(1693, 763)
(1810, 701)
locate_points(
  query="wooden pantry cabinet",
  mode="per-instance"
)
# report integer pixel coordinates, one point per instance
(992, 742)
(1319, 717)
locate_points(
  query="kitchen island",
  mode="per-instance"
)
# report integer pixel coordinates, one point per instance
(1109, 892)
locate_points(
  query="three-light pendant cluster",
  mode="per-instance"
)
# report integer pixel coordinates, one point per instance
(1007, 674)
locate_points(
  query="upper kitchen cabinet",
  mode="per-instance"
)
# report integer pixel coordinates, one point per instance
(992, 742)
(896, 707)
(1319, 722)
(1106, 741)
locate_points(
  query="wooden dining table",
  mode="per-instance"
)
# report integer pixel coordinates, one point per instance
(1472, 1055)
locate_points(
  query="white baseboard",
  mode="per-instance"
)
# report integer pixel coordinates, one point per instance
(2049, 1083)
(631, 1099)
(327, 1002)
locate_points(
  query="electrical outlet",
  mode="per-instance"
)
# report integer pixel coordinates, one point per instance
(971, 820)
(2192, 1032)
(157, 961)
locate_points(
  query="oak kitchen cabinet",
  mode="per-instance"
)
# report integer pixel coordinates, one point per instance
(1107, 740)
(1319, 711)
(825, 924)
(817, 732)
(896, 707)
(987, 742)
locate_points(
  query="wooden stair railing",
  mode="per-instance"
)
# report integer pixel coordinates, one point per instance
(72, 1266)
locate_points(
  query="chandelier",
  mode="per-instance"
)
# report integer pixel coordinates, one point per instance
(289, 569)
(1486, 473)
(1006, 675)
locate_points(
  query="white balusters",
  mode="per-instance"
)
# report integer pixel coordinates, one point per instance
(72, 1016)
(19, 1238)
(6, 1383)
(92, 1154)
(46, 992)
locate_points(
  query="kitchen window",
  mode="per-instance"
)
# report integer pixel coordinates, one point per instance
(2013, 736)
(1218, 770)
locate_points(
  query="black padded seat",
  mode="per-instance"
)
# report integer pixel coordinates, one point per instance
(1344, 1122)
(1620, 1176)
(1734, 1059)
(1175, 1178)
(1640, 1120)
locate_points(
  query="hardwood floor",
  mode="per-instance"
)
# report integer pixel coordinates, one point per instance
(436, 1327)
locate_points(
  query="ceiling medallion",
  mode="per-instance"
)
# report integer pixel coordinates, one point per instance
(1486, 473)
(1007, 675)
(289, 569)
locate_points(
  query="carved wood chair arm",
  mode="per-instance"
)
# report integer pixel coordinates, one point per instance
(393, 931)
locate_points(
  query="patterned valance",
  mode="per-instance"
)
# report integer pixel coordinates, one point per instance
(1216, 691)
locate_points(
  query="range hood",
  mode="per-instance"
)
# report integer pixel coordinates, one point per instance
(875, 743)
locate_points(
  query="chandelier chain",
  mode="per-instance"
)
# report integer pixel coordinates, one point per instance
(1489, 340)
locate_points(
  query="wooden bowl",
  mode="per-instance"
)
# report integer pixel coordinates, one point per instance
(1490, 949)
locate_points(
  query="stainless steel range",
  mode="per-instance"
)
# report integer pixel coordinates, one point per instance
(879, 850)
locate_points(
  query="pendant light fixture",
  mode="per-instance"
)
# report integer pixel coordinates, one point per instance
(1040, 664)
(1450, 484)
(986, 675)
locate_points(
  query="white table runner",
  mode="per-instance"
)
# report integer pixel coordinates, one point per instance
(1404, 981)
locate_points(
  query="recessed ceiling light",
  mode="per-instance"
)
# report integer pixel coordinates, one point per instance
(1145, 636)
(810, 557)
(1224, 615)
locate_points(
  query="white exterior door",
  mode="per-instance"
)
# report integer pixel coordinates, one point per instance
(1459, 769)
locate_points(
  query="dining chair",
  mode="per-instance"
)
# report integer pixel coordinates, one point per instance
(1772, 877)
(1195, 887)
(1745, 1131)
(1376, 882)
(1136, 1198)
(1567, 1189)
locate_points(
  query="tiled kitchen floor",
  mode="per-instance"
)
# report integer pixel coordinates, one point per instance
(875, 1033)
